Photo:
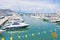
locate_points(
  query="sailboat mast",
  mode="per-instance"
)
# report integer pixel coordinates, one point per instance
(18, 6)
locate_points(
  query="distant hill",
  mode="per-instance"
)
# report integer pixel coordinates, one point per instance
(6, 10)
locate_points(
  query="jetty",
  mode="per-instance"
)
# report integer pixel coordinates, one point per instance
(3, 21)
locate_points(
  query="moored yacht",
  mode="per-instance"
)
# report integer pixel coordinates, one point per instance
(33, 16)
(45, 18)
(15, 22)
(53, 19)
(37, 17)
(13, 25)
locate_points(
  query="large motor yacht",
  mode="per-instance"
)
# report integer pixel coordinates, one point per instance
(15, 24)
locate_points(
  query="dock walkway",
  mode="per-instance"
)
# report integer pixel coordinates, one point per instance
(2, 21)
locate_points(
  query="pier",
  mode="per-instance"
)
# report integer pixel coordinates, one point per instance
(3, 21)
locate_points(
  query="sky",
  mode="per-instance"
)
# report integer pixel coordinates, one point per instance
(31, 6)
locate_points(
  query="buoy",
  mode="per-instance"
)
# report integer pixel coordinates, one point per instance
(32, 34)
(50, 30)
(39, 33)
(54, 34)
(10, 38)
(26, 36)
(55, 29)
(44, 32)
(19, 37)
(2, 38)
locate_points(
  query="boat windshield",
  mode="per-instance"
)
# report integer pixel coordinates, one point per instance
(15, 23)
(20, 21)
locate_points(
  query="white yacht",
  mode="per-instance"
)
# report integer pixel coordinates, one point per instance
(15, 24)
(33, 16)
(38, 17)
(15, 21)
(45, 18)
(53, 19)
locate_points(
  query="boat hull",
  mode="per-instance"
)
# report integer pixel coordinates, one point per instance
(16, 27)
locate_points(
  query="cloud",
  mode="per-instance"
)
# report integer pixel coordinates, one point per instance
(7, 3)
(36, 6)
(30, 5)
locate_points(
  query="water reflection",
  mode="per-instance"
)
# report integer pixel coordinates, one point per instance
(24, 29)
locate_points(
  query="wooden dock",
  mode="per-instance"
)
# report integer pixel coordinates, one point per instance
(2, 21)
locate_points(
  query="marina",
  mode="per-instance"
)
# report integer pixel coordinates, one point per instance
(3, 20)
(29, 19)
(37, 30)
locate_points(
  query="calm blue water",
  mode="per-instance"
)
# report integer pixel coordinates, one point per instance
(37, 30)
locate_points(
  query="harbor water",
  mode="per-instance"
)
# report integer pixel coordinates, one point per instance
(37, 30)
